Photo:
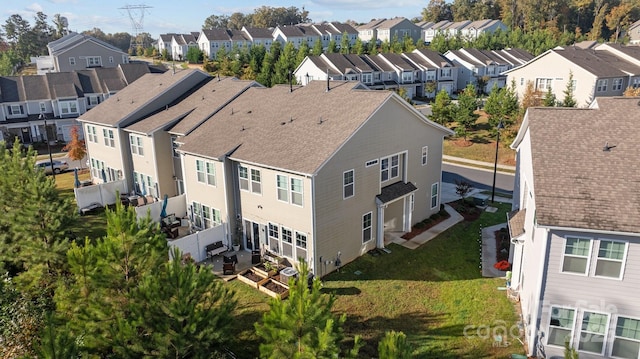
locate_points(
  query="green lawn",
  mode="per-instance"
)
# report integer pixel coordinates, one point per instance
(431, 294)
(91, 225)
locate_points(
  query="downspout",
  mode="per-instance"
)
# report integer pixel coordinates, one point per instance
(380, 224)
(312, 265)
(535, 318)
(226, 203)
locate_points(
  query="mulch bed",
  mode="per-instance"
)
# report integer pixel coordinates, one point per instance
(467, 209)
(421, 227)
(503, 244)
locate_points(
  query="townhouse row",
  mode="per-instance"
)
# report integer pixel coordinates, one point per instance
(59, 97)
(317, 172)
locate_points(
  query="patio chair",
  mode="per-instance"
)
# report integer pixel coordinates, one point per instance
(229, 268)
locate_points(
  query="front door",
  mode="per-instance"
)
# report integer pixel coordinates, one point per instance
(251, 235)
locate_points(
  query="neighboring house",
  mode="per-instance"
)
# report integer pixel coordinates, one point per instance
(474, 64)
(292, 34)
(382, 71)
(323, 188)
(476, 28)
(109, 145)
(397, 28)
(212, 40)
(368, 31)
(430, 30)
(61, 97)
(627, 53)
(77, 51)
(596, 73)
(435, 68)
(634, 33)
(180, 44)
(164, 43)
(259, 36)
(575, 230)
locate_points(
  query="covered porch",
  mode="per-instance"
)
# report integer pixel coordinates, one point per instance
(394, 210)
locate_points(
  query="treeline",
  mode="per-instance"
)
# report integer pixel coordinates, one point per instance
(597, 19)
(262, 17)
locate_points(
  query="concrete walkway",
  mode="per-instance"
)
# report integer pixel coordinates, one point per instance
(429, 234)
(489, 251)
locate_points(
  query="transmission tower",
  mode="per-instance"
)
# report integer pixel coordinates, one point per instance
(136, 15)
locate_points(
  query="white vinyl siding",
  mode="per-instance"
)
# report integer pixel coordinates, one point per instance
(626, 342)
(576, 255)
(348, 185)
(561, 324)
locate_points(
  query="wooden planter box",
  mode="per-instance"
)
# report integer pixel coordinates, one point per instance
(263, 272)
(241, 277)
(283, 292)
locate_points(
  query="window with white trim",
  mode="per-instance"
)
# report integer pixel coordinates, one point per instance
(174, 146)
(283, 188)
(610, 260)
(617, 85)
(434, 195)
(108, 137)
(296, 191)
(593, 332)
(110, 59)
(561, 324)
(601, 85)
(576, 255)
(93, 61)
(543, 84)
(286, 235)
(389, 168)
(445, 72)
(626, 340)
(243, 176)
(348, 185)
(43, 107)
(136, 145)
(425, 155)
(15, 110)
(197, 214)
(72, 61)
(206, 216)
(367, 227)
(68, 107)
(274, 231)
(301, 240)
(93, 100)
(215, 216)
(92, 134)
(256, 184)
(200, 171)
(211, 173)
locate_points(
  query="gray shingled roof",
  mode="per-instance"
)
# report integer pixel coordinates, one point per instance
(296, 130)
(134, 96)
(73, 39)
(11, 89)
(593, 61)
(344, 27)
(134, 70)
(576, 183)
(395, 191)
(216, 34)
(63, 84)
(437, 58)
(291, 31)
(399, 61)
(259, 32)
(515, 220)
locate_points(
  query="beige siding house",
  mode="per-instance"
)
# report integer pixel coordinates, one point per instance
(306, 179)
(575, 232)
(595, 74)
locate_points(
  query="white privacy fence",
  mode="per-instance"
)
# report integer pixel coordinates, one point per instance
(176, 205)
(104, 193)
(195, 243)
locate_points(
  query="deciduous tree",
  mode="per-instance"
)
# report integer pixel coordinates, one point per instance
(394, 346)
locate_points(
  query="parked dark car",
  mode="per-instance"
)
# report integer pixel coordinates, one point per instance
(58, 166)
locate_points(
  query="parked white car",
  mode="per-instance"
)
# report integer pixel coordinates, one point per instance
(58, 166)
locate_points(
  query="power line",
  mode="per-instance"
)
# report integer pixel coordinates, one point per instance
(136, 15)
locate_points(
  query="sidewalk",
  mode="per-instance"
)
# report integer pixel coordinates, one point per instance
(426, 236)
(474, 163)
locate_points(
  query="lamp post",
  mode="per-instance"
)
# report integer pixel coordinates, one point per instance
(495, 164)
(46, 134)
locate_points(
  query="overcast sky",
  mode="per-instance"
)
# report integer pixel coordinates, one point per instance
(183, 16)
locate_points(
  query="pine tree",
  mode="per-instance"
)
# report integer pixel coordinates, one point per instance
(303, 52)
(266, 70)
(441, 110)
(182, 311)
(569, 100)
(359, 47)
(502, 106)
(35, 221)
(394, 346)
(344, 44)
(76, 148)
(303, 326)
(285, 64)
(317, 48)
(549, 98)
(332, 48)
(464, 112)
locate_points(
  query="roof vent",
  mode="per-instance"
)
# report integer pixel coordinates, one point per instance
(166, 107)
(283, 123)
(131, 100)
(117, 99)
(290, 119)
(249, 111)
(321, 121)
(242, 128)
(607, 148)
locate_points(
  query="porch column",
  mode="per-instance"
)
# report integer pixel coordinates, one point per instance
(406, 227)
(380, 227)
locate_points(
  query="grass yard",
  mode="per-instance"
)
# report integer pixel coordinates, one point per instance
(431, 294)
(482, 145)
(91, 225)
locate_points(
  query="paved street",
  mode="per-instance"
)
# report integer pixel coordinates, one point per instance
(478, 177)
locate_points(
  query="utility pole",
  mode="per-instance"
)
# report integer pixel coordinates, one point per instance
(136, 15)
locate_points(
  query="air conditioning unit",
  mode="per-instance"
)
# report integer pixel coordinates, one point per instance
(287, 273)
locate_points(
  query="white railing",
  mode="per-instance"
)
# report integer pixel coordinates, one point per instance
(195, 243)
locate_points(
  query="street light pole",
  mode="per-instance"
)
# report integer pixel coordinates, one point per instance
(46, 134)
(495, 164)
